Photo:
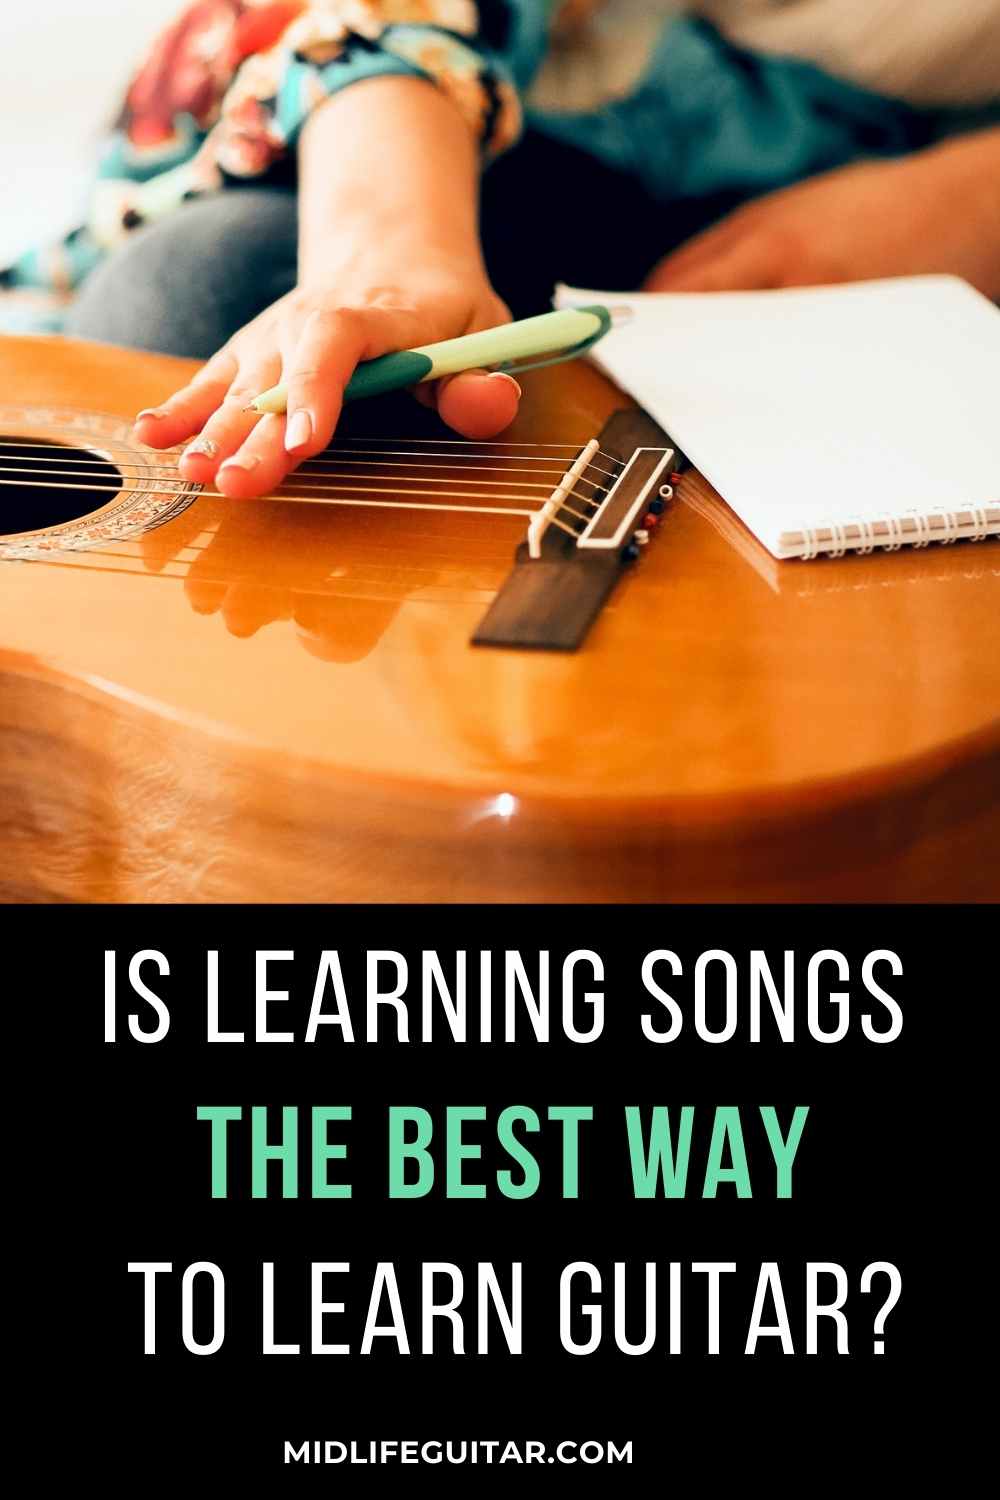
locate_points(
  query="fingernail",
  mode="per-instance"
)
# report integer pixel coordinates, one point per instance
(299, 430)
(502, 375)
(205, 447)
(150, 411)
(246, 461)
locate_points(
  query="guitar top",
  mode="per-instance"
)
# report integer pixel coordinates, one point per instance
(280, 700)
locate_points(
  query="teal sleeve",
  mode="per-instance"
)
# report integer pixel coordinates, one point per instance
(481, 56)
(709, 119)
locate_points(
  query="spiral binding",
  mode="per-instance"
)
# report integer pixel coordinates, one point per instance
(889, 532)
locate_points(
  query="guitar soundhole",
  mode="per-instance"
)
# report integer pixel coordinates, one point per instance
(48, 484)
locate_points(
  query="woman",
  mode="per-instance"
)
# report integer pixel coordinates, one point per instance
(286, 193)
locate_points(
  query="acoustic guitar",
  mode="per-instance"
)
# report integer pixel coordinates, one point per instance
(366, 688)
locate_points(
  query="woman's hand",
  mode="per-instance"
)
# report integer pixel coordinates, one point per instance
(312, 339)
(937, 211)
(389, 259)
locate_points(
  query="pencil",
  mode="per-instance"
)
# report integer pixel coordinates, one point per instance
(560, 335)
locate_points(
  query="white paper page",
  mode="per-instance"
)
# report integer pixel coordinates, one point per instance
(808, 407)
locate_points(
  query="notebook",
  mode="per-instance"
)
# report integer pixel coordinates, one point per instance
(830, 419)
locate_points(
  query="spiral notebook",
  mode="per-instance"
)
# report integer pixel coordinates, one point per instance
(830, 419)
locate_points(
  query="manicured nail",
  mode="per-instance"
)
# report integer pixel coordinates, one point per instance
(203, 447)
(502, 375)
(245, 461)
(299, 430)
(151, 411)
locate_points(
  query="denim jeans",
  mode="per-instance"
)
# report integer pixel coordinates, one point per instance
(187, 284)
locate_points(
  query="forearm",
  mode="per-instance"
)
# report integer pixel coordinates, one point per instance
(388, 168)
(972, 163)
(977, 157)
(935, 212)
(961, 178)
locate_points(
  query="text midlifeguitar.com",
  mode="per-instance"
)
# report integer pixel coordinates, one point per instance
(479, 1451)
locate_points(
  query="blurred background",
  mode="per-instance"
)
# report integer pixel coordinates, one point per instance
(63, 64)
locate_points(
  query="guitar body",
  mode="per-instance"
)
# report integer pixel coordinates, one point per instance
(278, 701)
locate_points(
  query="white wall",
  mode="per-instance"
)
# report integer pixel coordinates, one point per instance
(63, 64)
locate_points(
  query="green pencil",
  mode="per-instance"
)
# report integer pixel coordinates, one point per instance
(559, 335)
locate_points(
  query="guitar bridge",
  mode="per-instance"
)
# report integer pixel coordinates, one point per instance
(583, 538)
(616, 515)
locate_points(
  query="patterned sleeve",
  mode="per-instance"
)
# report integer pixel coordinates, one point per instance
(473, 52)
(226, 89)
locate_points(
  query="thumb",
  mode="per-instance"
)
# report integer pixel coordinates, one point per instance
(477, 403)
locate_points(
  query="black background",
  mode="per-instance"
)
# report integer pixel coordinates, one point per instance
(116, 1169)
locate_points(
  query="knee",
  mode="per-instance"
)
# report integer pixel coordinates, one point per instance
(186, 285)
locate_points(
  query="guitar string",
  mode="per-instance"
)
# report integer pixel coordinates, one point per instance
(460, 442)
(342, 500)
(418, 487)
(92, 439)
(96, 561)
(321, 467)
(393, 484)
(346, 453)
(380, 556)
(314, 496)
(417, 452)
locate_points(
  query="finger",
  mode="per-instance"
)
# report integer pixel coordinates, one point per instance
(703, 247)
(205, 595)
(248, 607)
(231, 423)
(337, 629)
(478, 404)
(259, 464)
(492, 315)
(164, 544)
(331, 345)
(188, 410)
(749, 264)
(427, 393)
(329, 348)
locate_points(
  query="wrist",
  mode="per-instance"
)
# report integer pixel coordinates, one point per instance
(385, 204)
(366, 251)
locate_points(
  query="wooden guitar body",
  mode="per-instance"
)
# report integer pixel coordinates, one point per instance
(278, 701)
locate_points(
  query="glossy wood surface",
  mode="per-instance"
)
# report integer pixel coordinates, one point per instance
(278, 701)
